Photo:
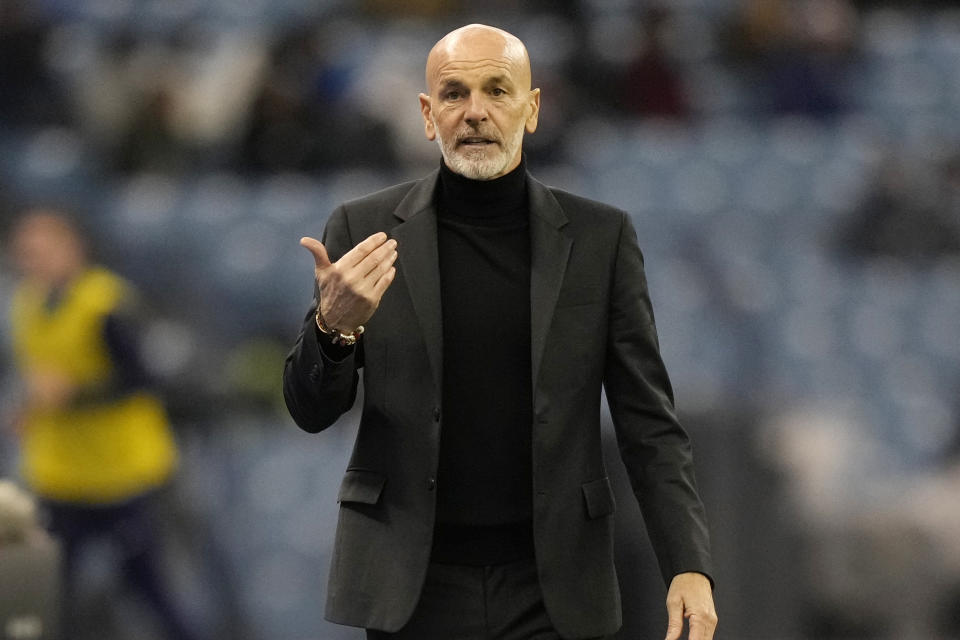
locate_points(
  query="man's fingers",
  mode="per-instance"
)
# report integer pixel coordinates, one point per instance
(690, 596)
(702, 626)
(319, 252)
(698, 628)
(383, 283)
(382, 264)
(674, 618)
(351, 258)
(356, 255)
(372, 264)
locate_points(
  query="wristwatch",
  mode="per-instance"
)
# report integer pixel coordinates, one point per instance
(336, 336)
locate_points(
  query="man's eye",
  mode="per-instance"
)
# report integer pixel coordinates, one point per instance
(498, 92)
(453, 95)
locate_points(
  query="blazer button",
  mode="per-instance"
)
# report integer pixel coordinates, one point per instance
(436, 414)
(431, 483)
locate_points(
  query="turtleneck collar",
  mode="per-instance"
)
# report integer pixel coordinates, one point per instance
(498, 199)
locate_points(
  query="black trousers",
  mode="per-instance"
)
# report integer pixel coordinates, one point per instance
(497, 602)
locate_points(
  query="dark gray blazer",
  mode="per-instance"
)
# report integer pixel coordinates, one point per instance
(592, 325)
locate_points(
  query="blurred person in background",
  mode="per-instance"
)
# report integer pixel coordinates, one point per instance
(653, 87)
(302, 118)
(29, 94)
(502, 307)
(911, 211)
(800, 50)
(95, 443)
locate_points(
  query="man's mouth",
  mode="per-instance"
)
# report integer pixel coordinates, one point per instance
(474, 141)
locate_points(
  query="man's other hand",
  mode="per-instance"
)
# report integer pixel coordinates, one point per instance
(691, 597)
(351, 287)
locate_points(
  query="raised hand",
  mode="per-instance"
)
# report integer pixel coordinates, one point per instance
(351, 287)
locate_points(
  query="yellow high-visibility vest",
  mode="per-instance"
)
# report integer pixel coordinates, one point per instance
(94, 452)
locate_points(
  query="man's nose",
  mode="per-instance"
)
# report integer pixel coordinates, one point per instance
(476, 110)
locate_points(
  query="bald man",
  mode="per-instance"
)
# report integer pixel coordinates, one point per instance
(486, 313)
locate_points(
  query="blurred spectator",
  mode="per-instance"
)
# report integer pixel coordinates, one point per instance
(96, 444)
(880, 554)
(625, 63)
(800, 49)
(653, 84)
(162, 102)
(302, 119)
(28, 94)
(149, 142)
(910, 211)
(124, 90)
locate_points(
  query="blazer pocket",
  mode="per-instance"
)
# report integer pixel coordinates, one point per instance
(598, 497)
(579, 297)
(362, 486)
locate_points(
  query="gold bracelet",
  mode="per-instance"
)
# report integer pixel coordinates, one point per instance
(336, 336)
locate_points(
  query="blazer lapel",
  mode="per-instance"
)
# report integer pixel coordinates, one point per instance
(416, 238)
(549, 252)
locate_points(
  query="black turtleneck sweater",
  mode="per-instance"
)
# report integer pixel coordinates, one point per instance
(484, 500)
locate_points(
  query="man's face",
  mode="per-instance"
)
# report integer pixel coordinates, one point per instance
(45, 248)
(480, 102)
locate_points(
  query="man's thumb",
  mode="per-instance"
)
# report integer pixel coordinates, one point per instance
(319, 252)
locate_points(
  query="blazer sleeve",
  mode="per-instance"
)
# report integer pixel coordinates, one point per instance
(319, 384)
(654, 446)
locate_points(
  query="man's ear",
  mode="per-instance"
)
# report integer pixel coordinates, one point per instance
(428, 127)
(533, 118)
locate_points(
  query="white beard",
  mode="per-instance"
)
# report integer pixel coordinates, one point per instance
(479, 164)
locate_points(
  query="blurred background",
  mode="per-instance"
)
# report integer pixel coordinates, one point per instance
(793, 171)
